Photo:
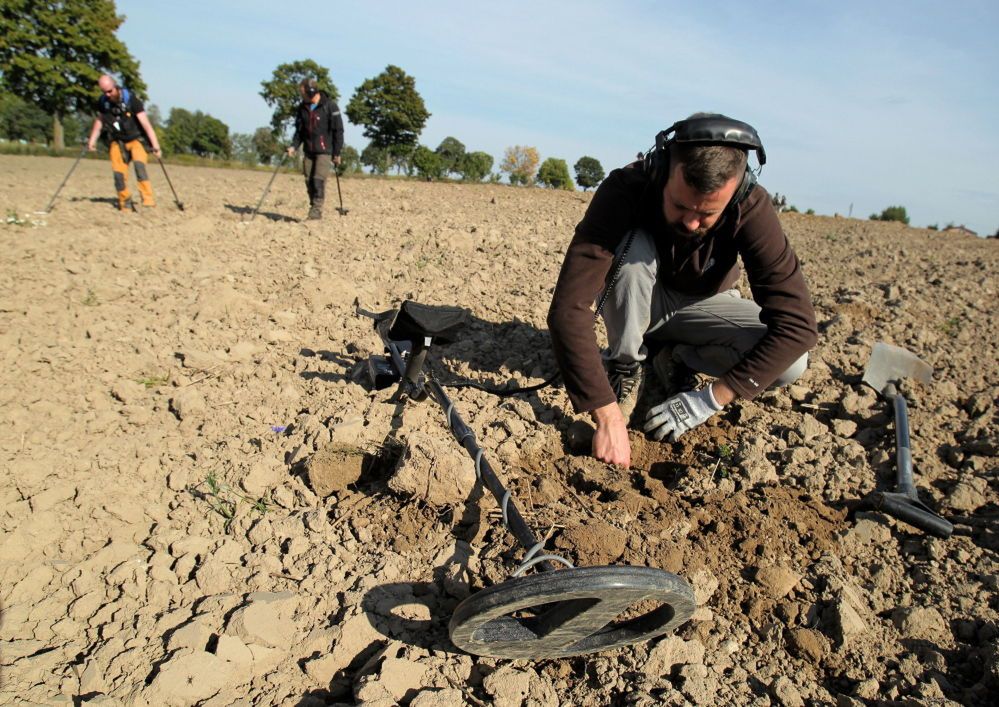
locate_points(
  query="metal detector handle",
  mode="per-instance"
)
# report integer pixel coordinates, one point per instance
(410, 387)
(268, 187)
(66, 178)
(913, 512)
(903, 452)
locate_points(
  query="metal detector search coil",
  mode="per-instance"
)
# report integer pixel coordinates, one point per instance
(557, 612)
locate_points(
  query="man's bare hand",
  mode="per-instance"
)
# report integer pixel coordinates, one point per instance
(610, 440)
(336, 160)
(291, 152)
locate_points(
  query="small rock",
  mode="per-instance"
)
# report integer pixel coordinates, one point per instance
(671, 651)
(848, 620)
(778, 581)
(968, 495)
(844, 428)
(193, 635)
(262, 476)
(811, 428)
(188, 403)
(233, 650)
(449, 697)
(128, 391)
(924, 623)
(809, 644)
(507, 686)
(786, 692)
(433, 470)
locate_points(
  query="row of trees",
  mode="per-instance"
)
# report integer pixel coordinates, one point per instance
(45, 81)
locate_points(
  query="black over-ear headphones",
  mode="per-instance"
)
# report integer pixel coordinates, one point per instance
(707, 130)
(311, 87)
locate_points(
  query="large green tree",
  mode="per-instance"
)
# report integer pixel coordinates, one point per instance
(267, 146)
(390, 109)
(20, 120)
(475, 166)
(427, 163)
(554, 173)
(196, 133)
(452, 152)
(53, 51)
(589, 172)
(281, 92)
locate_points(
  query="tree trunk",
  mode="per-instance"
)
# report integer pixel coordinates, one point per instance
(58, 138)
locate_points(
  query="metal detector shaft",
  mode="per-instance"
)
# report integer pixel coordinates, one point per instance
(267, 188)
(176, 198)
(466, 438)
(66, 178)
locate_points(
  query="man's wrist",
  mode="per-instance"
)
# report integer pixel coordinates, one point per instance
(722, 393)
(607, 414)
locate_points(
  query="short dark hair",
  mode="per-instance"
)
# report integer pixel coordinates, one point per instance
(706, 168)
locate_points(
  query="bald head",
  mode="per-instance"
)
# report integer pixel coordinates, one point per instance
(108, 86)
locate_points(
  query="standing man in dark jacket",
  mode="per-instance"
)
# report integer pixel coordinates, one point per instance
(122, 118)
(678, 222)
(319, 126)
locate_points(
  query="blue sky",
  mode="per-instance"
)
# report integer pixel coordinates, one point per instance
(868, 104)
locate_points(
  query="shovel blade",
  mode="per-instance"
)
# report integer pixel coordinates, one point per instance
(890, 364)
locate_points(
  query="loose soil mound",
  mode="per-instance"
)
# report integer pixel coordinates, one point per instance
(171, 379)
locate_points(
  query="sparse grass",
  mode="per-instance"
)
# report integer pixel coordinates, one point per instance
(224, 500)
(14, 220)
(154, 381)
(952, 326)
(91, 299)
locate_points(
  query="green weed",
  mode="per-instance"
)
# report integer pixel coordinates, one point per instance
(91, 299)
(154, 381)
(952, 326)
(224, 500)
(14, 220)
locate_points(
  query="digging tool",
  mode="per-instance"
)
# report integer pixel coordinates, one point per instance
(342, 211)
(556, 612)
(66, 179)
(176, 199)
(887, 367)
(268, 187)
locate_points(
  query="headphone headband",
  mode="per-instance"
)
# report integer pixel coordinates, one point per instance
(706, 130)
(714, 130)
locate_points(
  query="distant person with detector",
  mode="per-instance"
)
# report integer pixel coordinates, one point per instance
(123, 120)
(319, 127)
(658, 250)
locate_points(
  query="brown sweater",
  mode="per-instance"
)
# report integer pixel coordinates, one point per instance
(708, 265)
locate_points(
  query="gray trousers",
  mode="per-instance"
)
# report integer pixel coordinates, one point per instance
(316, 169)
(708, 334)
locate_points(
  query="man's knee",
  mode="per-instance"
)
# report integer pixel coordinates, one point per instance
(793, 373)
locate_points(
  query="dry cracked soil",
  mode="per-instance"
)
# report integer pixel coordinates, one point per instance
(204, 501)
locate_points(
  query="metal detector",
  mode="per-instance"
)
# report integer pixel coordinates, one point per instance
(176, 199)
(340, 210)
(559, 611)
(66, 179)
(268, 187)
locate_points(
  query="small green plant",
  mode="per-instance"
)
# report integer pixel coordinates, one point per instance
(224, 500)
(952, 326)
(154, 381)
(14, 220)
(91, 299)
(725, 452)
(810, 212)
(831, 237)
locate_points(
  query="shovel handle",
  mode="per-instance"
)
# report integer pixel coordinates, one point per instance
(912, 512)
(903, 451)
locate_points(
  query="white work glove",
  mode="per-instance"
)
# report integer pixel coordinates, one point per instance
(681, 413)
